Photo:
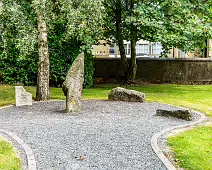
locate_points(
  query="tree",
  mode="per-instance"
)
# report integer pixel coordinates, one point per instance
(42, 93)
(183, 24)
(80, 23)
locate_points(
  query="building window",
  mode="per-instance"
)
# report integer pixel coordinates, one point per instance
(157, 49)
(129, 49)
(142, 49)
(112, 49)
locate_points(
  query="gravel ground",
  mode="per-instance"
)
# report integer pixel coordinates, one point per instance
(107, 135)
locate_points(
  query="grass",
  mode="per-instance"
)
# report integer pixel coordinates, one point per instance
(193, 148)
(7, 95)
(8, 159)
(198, 97)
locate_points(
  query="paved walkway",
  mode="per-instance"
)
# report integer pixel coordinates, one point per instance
(104, 136)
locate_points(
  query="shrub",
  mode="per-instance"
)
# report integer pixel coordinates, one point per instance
(62, 52)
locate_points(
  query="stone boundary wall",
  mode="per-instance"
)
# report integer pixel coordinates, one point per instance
(183, 71)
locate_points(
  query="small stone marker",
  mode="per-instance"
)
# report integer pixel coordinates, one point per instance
(72, 86)
(22, 96)
(122, 94)
(180, 113)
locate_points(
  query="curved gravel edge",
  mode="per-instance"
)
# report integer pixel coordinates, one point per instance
(155, 137)
(154, 140)
(28, 151)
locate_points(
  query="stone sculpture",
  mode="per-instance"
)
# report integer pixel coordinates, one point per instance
(72, 86)
(22, 96)
(122, 94)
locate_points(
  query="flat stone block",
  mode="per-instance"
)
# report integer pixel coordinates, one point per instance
(22, 96)
(179, 113)
(122, 94)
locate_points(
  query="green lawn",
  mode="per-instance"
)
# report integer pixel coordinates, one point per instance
(8, 159)
(198, 97)
(7, 95)
(193, 148)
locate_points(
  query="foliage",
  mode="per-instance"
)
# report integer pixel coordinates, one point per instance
(62, 53)
(16, 26)
(193, 148)
(8, 159)
(18, 70)
(16, 65)
(15, 69)
(21, 16)
(71, 28)
(89, 70)
(183, 24)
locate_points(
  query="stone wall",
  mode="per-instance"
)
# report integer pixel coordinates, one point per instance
(184, 71)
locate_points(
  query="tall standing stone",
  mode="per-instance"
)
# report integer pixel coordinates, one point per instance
(72, 86)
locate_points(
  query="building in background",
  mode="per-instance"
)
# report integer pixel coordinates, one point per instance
(144, 49)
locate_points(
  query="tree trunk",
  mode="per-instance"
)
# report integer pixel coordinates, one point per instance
(133, 66)
(133, 32)
(119, 37)
(123, 58)
(42, 93)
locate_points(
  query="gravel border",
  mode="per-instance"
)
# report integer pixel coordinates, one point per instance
(154, 141)
(28, 151)
(172, 130)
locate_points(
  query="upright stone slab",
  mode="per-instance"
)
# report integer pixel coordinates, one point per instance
(72, 86)
(22, 96)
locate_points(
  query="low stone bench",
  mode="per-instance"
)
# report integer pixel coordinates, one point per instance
(178, 113)
(122, 94)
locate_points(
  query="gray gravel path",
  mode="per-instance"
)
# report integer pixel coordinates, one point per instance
(109, 135)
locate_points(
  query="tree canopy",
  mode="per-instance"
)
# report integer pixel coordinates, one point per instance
(183, 24)
(82, 20)
(26, 25)
(174, 23)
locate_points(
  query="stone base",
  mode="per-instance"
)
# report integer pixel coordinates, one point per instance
(22, 96)
(73, 106)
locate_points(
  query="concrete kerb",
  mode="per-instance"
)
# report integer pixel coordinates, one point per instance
(155, 137)
(28, 151)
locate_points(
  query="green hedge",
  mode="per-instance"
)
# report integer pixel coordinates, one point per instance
(62, 52)
(15, 70)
